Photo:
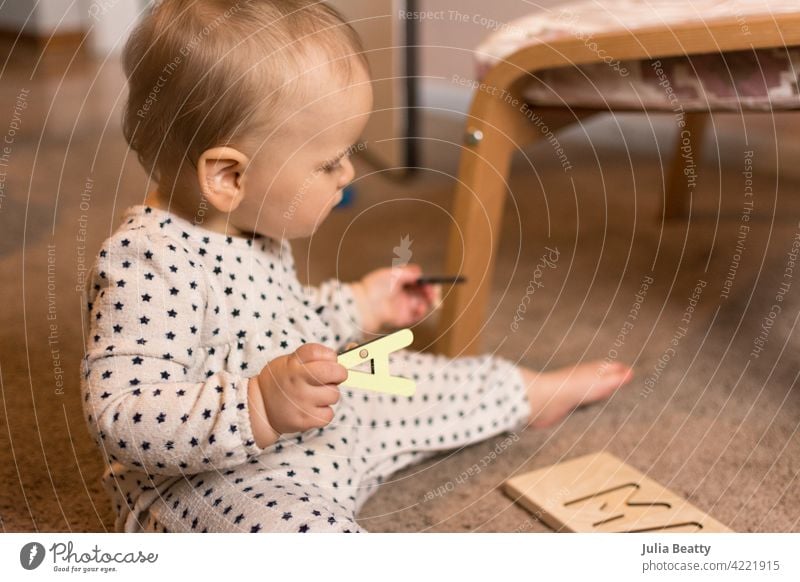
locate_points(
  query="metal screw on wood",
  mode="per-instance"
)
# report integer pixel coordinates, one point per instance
(474, 136)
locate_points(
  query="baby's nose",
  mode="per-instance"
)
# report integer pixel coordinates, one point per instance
(347, 174)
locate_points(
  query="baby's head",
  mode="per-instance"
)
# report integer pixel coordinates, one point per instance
(247, 111)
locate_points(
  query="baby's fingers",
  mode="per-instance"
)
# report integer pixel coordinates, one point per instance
(322, 417)
(322, 373)
(313, 352)
(433, 293)
(327, 395)
(406, 275)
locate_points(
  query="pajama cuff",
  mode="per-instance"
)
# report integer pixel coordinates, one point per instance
(518, 394)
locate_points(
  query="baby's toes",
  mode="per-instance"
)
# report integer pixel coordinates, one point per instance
(616, 369)
(612, 379)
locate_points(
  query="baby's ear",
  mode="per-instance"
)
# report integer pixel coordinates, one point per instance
(220, 173)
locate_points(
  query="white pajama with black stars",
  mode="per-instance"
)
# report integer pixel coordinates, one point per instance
(181, 318)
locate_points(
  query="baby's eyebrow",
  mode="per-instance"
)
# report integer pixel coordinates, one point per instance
(340, 155)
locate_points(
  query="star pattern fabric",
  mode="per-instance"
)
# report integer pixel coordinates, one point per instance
(181, 317)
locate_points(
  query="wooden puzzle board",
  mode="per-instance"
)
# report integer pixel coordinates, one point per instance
(600, 493)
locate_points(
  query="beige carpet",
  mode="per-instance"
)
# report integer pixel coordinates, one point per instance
(712, 423)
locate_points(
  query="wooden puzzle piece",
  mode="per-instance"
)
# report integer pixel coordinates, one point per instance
(600, 493)
(376, 352)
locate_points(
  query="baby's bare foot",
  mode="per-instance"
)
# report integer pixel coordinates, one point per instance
(553, 395)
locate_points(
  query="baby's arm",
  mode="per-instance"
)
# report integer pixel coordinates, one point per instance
(335, 303)
(383, 298)
(145, 326)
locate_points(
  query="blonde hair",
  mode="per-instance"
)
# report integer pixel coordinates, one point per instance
(201, 73)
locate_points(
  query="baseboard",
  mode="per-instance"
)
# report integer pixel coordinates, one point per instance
(35, 44)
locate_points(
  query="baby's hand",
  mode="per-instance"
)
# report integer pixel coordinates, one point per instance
(389, 297)
(299, 389)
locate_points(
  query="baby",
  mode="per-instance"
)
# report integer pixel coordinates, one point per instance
(211, 378)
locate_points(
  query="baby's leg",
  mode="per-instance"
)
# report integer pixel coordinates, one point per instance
(462, 401)
(458, 402)
(553, 395)
(249, 499)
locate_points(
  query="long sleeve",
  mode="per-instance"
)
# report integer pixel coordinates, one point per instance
(335, 304)
(332, 301)
(148, 326)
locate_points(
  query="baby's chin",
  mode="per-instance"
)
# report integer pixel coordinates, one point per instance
(306, 226)
(286, 231)
(292, 223)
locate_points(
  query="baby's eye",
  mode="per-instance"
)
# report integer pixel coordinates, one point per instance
(332, 166)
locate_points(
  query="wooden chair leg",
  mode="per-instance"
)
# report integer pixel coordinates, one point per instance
(682, 178)
(491, 139)
(474, 234)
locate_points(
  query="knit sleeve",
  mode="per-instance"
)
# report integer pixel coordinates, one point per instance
(146, 309)
(335, 304)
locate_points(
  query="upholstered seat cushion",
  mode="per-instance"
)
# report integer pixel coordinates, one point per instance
(754, 79)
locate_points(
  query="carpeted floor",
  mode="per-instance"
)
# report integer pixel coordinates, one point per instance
(710, 421)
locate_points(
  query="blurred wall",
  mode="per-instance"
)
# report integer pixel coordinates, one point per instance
(17, 15)
(448, 41)
(60, 16)
(107, 22)
(110, 23)
(44, 17)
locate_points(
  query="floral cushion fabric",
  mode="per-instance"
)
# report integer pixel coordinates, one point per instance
(754, 79)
